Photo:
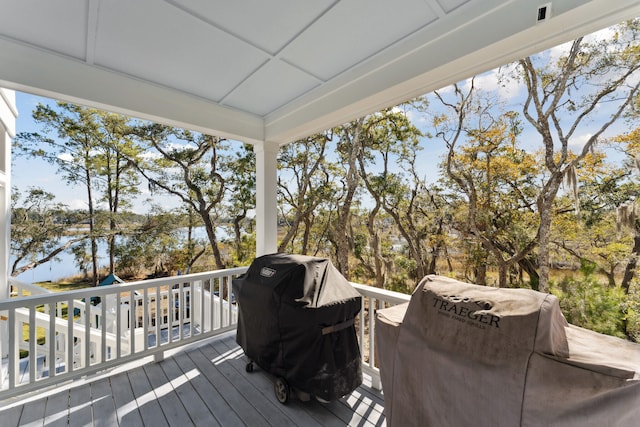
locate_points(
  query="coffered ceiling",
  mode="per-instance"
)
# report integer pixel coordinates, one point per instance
(273, 70)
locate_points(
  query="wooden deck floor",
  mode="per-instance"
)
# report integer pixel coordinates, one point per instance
(203, 386)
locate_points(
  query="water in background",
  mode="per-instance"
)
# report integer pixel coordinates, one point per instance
(65, 265)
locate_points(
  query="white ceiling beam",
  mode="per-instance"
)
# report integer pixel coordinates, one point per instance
(29, 69)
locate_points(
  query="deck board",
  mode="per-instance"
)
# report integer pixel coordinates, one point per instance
(170, 403)
(191, 400)
(80, 412)
(12, 416)
(146, 399)
(222, 415)
(104, 410)
(33, 413)
(236, 402)
(56, 411)
(126, 408)
(266, 407)
(203, 385)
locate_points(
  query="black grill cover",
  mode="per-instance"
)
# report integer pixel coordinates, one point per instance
(295, 320)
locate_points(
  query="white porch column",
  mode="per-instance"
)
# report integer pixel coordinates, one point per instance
(266, 194)
(8, 114)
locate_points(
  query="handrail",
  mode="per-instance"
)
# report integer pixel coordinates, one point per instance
(134, 321)
(22, 287)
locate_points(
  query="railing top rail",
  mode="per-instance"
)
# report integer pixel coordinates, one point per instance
(121, 288)
(34, 289)
(392, 297)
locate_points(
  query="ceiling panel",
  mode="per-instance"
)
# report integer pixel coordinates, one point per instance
(271, 87)
(160, 43)
(266, 24)
(350, 32)
(60, 26)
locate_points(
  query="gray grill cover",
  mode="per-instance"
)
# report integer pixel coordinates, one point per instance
(467, 355)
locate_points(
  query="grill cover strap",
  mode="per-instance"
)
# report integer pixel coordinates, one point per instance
(338, 326)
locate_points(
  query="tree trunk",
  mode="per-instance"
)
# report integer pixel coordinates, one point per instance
(211, 234)
(378, 260)
(545, 209)
(341, 231)
(480, 273)
(503, 270)
(529, 267)
(630, 269)
(92, 237)
(306, 236)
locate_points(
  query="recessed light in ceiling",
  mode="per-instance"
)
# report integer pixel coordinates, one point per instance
(544, 12)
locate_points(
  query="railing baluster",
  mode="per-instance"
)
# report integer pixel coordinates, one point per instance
(362, 324)
(86, 362)
(220, 306)
(370, 321)
(225, 302)
(201, 308)
(180, 311)
(159, 316)
(33, 360)
(133, 321)
(70, 339)
(189, 307)
(118, 325)
(51, 358)
(145, 318)
(14, 351)
(212, 288)
(103, 330)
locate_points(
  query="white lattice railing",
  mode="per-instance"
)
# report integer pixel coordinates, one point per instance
(131, 321)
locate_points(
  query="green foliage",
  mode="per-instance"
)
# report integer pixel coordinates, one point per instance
(589, 304)
(400, 280)
(631, 308)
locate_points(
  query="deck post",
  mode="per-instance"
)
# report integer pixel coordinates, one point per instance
(8, 114)
(266, 197)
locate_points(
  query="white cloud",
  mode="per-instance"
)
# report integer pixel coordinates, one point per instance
(557, 52)
(578, 142)
(75, 203)
(412, 115)
(605, 34)
(66, 157)
(496, 82)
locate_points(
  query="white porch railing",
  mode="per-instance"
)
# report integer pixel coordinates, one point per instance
(56, 337)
